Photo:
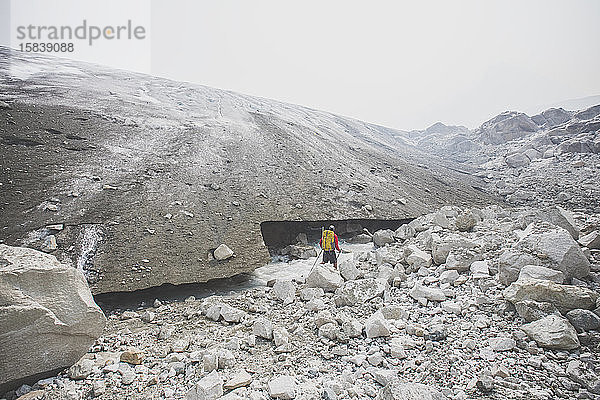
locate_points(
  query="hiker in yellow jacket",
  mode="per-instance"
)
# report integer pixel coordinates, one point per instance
(329, 244)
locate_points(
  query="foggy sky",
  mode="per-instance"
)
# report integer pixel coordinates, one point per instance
(403, 64)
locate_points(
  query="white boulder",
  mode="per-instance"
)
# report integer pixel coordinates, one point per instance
(552, 332)
(208, 388)
(539, 272)
(282, 387)
(48, 316)
(325, 277)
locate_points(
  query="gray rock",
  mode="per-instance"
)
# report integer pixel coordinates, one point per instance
(359, 291)
(502, 343)
(394, 311)
(485, 384)
(451, 307)
(404, 232)
(591, 240)
(505, 127)
(510, 263)
(348, 270)
(383, 237)
(148, 316)
(465, 221)
(308, 294)
(263, 328)
(127, 377)
(480, 269)
(539, 272)
(282, 387)
(552, 332)
(387, 273)
(208, 388)
(417, 258)
(408, 391)
(377, 326)
(231, 314)
(425, 292)
(225, 358)
(5, 106)
(397, 349)
(449, 276)
(560, 251)
(47, 315)
(560, 217)
(329, 330)
(460, 258)
(517, 160)
(352, 327)
(284, 290)
(280, 336)
(240, 379)
(440, 247)
(564, 297)
(223, 252)
(384, 376)
(531, 310)
(583, 320)
(81, 369)
(325, 277)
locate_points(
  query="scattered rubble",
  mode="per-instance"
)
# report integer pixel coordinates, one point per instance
(399, 322)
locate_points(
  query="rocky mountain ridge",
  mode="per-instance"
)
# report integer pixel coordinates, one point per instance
(549, 158)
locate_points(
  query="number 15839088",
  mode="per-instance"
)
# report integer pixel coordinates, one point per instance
(48, 47)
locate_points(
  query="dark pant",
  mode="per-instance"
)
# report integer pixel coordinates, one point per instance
(329, 256)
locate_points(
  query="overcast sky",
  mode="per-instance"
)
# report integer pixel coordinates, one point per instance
(403, 64)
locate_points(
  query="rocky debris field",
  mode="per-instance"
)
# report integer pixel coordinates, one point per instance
(549, 158)
(458, 304)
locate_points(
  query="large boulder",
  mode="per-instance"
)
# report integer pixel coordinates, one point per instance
(539, 272)
(441, 246)
(510, 263)
(552, 332)
(324, 277)
(48, 317)
(404, 232)
(560, 217)
(383, 237)
(417, 258)
(396, 390)
(556, 248)
(552, 117)
(584, 320)
(531, 310)
(564, 297)
(282, 387)
(348, 270)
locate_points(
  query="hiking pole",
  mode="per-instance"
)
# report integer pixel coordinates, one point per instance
(317, 259)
